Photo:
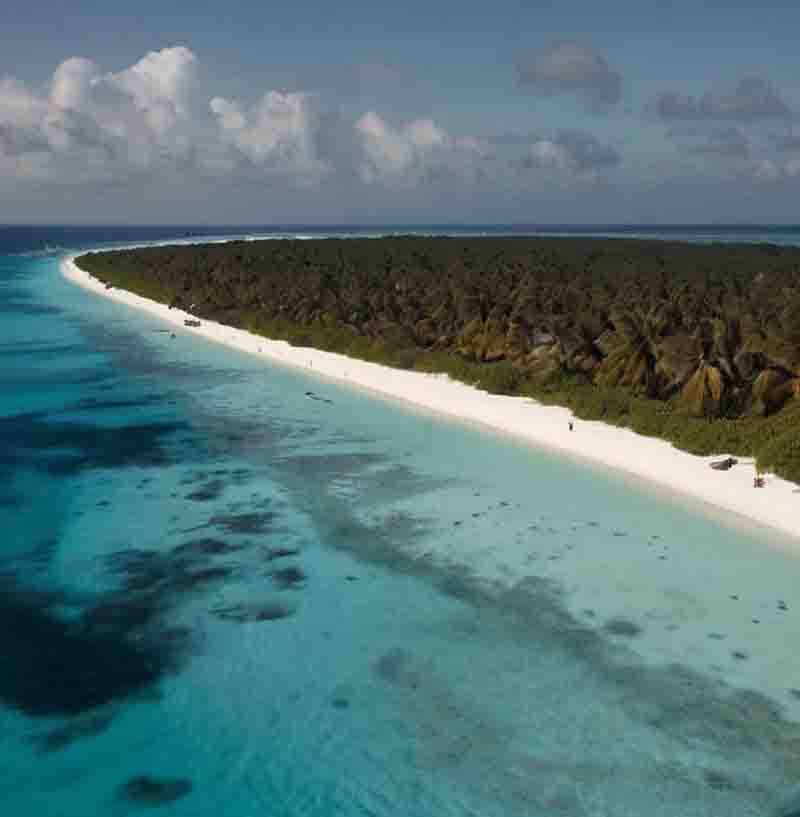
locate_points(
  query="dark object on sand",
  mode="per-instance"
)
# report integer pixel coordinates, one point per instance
(571, 426)
(191, 323)
(724, 465)
(758, 482)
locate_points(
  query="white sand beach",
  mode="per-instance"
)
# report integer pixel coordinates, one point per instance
(729, 495)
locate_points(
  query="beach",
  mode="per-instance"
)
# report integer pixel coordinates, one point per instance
(729, 495)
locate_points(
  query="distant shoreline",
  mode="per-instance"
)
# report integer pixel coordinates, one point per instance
(775, 506)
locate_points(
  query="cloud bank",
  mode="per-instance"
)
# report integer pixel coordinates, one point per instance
(573, 155)
(91, 126)
(149, 127)
(279, 134)
(738, 156)
(416, 151)
(752, 99)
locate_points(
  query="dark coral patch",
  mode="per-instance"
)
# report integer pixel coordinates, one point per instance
(394, 667)
(190, 579)
(281, 553)
(170, 573)
(268, 611)
(67, 448)
(76, 729)
(718, 781)
(622, 627)
(151, 791)
(203, 547)
(244, 523)
(52, 665)
(288, 578)
(211, 490)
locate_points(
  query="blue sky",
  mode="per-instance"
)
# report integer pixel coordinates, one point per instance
(466, 112)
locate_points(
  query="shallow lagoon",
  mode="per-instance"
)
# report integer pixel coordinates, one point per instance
(221, 596)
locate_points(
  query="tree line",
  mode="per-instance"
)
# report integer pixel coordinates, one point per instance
(699, 344)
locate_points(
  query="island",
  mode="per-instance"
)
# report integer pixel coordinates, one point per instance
(695, 344)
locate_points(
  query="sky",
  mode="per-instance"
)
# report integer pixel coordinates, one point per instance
(466, 112)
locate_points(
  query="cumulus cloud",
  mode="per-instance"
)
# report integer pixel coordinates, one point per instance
(736, 154)
(752, 99)
(570, 68)
(21, 116)
(94, 126)
(279, 133)
(415, 151)
(572, 154)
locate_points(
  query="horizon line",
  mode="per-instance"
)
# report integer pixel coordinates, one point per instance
(408, 225)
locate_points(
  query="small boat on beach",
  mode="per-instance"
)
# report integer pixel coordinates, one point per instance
(724, 465)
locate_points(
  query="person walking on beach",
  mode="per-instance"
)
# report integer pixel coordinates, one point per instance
(571, 426)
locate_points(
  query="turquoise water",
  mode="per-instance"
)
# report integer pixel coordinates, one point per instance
(220, 597)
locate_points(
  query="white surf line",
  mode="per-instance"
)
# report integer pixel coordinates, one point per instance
(776, 505)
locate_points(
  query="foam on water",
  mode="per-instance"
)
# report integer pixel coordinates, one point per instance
(247, 602)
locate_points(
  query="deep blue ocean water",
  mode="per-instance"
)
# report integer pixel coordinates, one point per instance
(219, 597)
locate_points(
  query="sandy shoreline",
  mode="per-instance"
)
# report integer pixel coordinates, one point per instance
(644, 458)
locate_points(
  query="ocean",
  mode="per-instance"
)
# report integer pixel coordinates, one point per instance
(219, 597)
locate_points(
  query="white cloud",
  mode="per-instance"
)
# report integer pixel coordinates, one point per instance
(72, 83)
(570, 154)
(21, 115)
(92, 126)
(279, 134)
(416, 151)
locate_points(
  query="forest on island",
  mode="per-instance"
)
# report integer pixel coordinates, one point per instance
(698, 344)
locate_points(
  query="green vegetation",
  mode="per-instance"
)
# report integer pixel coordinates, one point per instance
(696, 344)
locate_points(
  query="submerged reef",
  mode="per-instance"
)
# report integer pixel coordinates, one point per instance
(151, 791)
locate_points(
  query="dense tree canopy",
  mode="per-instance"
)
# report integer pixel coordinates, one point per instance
(704, 332)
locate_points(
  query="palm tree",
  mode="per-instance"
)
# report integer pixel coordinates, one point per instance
(632, 360)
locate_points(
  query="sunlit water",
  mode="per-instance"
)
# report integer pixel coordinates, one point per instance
(222, 597)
